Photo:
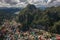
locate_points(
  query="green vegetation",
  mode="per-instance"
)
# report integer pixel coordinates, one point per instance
(31, 16)
(49, 18)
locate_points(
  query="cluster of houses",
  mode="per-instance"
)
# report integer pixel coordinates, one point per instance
(11, 31)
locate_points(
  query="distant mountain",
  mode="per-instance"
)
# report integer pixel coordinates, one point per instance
(9, 10)
(7, 13)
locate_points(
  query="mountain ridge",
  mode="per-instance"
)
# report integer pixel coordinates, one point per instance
(48, 19)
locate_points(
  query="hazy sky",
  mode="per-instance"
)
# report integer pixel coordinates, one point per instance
(23, 3)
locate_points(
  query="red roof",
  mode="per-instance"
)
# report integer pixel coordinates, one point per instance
(58, 37)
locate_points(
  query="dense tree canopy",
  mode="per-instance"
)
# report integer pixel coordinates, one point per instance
(31, 16)
(34, 16)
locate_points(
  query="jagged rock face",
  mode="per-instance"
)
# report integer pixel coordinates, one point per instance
(30, 6)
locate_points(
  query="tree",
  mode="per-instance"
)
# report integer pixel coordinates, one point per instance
(56, 27)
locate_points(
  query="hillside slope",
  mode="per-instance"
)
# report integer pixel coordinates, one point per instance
(35, 18)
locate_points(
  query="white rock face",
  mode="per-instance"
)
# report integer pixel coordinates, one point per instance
(23, 3)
